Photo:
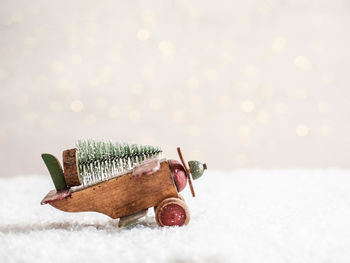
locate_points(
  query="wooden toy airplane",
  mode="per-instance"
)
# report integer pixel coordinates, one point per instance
(121, 183)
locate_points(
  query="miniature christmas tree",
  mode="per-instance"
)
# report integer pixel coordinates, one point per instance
(101, 160)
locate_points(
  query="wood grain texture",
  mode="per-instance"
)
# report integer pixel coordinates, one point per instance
(123, 195)
(71, 173)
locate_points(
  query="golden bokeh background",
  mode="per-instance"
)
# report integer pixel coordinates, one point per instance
(238, 84)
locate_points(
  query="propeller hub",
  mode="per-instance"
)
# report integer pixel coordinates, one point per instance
(197, 169)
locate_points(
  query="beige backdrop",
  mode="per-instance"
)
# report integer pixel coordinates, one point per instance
(238, 84)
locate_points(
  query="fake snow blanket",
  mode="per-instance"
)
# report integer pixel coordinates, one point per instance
(248, 216)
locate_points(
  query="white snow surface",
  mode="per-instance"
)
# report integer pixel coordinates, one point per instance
(245, 216)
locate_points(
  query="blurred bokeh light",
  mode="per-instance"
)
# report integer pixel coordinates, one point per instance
(238, 84)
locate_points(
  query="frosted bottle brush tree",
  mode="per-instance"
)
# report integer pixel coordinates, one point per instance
(101, 160)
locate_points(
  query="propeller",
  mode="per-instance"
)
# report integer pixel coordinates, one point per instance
(187, 171)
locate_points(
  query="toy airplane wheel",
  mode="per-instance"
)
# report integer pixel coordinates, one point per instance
(172, 212)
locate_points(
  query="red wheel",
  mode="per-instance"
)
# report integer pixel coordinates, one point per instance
(172, 212)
